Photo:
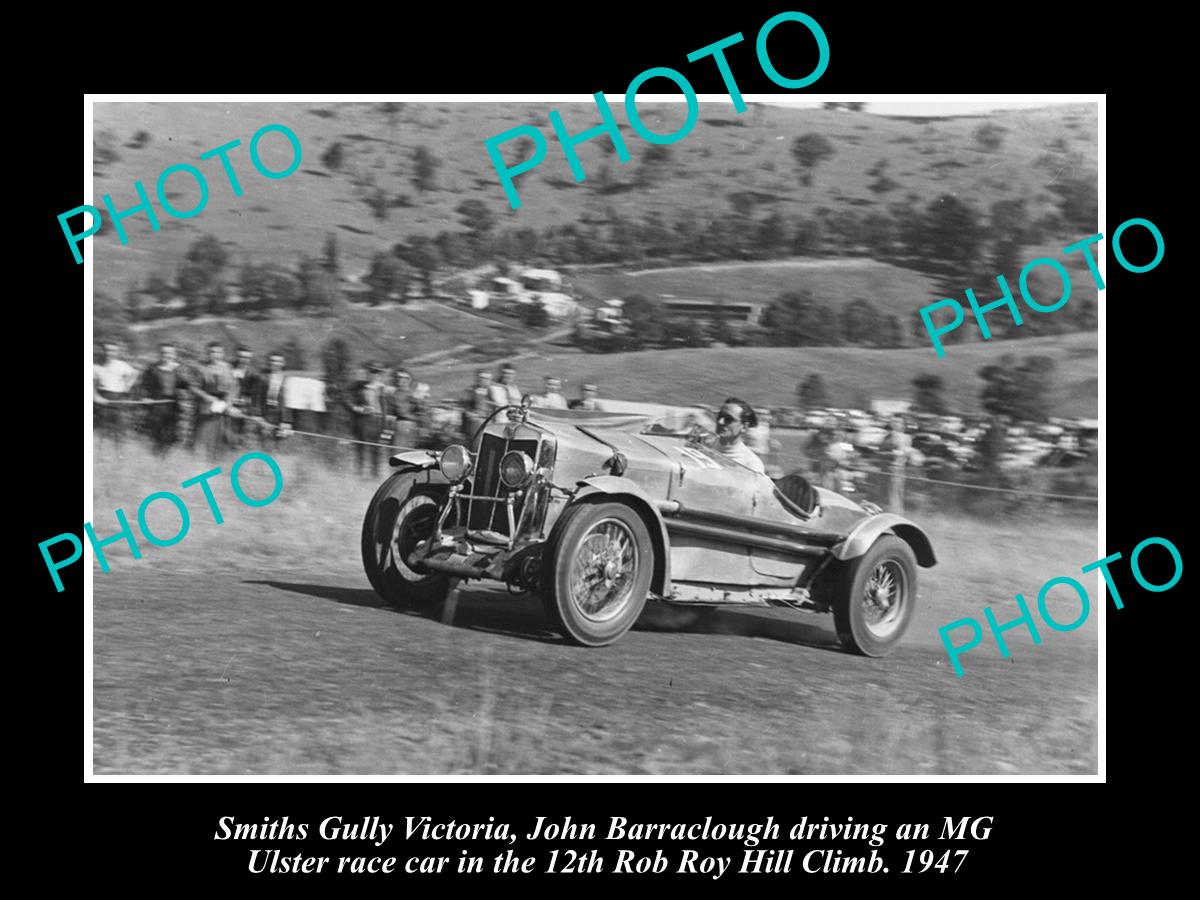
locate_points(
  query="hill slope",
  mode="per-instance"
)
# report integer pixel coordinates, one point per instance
(725, 154)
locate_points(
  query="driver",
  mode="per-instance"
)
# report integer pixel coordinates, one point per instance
(735, 417)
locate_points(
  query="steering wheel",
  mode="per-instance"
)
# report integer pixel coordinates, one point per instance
(701, 435)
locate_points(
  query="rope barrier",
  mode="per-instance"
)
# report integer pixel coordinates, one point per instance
(332, 437)
(101, 402)
(905, 476)
(982, 487)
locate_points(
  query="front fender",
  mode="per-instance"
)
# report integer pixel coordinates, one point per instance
(858, 541)
(617, 488)
(414, 459)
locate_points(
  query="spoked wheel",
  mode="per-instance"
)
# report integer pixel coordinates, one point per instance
(878, 598)
(401, 515)
(602, 563)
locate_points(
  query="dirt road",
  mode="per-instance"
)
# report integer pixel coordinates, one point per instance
(303, 670)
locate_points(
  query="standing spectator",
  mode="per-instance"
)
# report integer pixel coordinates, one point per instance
(818, 456)
(896, 446)
(590, 397)
(552, 398)
(112, 380)
(505, 392)
(161, 384)
(840, 453)
(401, 418)
(476, 408)
(993, 445)
(758, 438)
(243, 392)
(483, 379)
(266, 402)
(368, 412)
(422, 412)
(213, 390)
(185, 400)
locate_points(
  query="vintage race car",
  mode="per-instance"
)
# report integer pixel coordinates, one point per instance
(597, 512)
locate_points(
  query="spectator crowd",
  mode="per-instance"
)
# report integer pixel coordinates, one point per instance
(207, 405)
(210, 404)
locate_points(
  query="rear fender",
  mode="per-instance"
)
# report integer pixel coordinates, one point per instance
(859, 541)
(611, 487)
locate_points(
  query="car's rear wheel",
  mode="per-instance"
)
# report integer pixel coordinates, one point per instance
(402, 513)
(601, 563)
(877, 598)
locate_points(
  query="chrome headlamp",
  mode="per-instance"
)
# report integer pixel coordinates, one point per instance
(455, 463)
(516, 469)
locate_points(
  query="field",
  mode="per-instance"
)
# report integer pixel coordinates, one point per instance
(257, 647)
(836, 282)
(891, 289)
(726, 154)
(769, 376)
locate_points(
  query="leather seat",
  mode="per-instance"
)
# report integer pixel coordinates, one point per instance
(797, 494)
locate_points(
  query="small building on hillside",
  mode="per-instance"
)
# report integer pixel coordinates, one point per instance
(748, 311)
(504, 285)
(557, 305)
(539, 279)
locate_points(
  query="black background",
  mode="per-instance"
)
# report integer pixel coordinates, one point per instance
(155, 835)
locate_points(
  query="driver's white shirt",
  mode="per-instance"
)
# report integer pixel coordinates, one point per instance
(740, 453)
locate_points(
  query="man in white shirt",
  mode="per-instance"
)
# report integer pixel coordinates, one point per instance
(897, 445)
(840, 454)
(734, 419)
(112, 379)
(589, 399)
(505, 391)
(552, 398)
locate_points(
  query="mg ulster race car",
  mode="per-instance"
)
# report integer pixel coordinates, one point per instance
(598, 512)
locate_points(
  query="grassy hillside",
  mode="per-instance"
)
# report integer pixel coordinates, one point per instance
(389, 334)
(769, 376)
(725, 154)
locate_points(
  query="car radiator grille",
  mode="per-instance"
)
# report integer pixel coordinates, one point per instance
(485, 515)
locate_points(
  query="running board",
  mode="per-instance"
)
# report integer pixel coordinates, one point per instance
(700, 594)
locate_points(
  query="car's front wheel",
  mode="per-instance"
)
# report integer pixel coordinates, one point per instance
(601, 567)
(877, 598)
(403, 513)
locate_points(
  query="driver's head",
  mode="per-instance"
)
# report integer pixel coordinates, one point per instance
(735, 417)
